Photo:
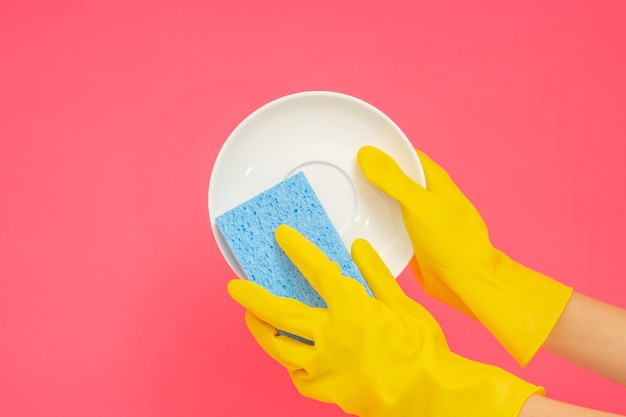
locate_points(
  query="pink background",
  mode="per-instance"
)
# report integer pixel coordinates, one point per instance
(112, 290)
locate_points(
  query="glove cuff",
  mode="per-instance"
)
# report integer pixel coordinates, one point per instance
(455, 385)
(530, 305)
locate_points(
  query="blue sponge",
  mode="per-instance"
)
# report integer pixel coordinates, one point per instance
(249, 231)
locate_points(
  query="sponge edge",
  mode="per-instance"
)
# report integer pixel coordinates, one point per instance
(249, 230)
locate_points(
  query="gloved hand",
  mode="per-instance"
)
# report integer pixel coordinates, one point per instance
(456, 263)
(373, 357)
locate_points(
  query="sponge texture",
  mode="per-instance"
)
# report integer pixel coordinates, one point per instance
(249, 231)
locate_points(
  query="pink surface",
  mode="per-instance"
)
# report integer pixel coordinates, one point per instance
(112, 290)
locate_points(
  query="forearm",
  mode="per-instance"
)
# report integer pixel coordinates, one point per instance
(591, 334)
(538, 406)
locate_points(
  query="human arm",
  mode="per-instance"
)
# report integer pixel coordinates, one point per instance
(456, 263)
(591, 334)
(539, 406)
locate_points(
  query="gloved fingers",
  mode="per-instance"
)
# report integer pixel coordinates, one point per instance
(323, 274)
(376, 273)
(287, 314)
(382, 171)
(290, 353)
(385, 287)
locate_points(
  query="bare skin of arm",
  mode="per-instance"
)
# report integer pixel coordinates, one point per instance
(538, 406)
(591, 334)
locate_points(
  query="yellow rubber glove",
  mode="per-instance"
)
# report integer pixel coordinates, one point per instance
(456, 263)
(373, 357)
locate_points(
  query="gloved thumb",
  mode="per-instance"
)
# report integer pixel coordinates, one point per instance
(378, 277)
(385, 173)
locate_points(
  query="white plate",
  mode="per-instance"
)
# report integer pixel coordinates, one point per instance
(318, 132)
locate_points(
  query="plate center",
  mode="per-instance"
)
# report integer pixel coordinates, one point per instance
(339, 200)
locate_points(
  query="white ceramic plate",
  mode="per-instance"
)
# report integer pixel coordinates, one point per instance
(318, 132)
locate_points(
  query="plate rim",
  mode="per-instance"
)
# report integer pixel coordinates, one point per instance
(277, 102)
